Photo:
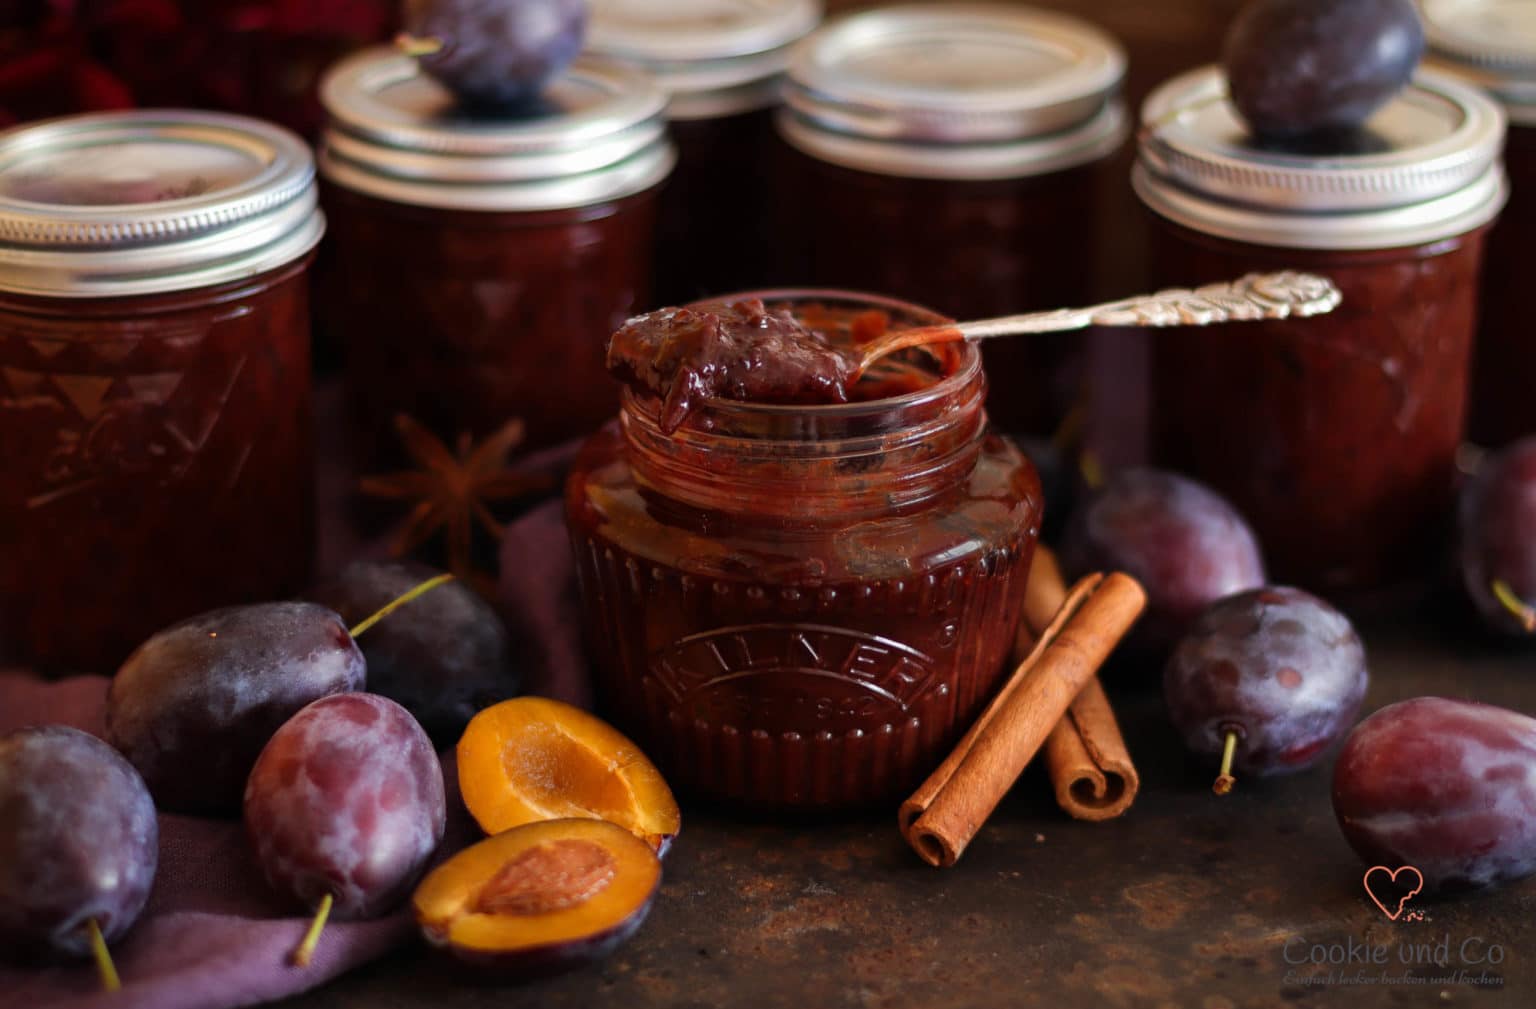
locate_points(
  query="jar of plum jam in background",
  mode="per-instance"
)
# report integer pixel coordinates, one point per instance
(951, 153)
(155, 447)
(1335, 435)
(801, 606)
(1493, 45)
(721, 62)
(478, 265)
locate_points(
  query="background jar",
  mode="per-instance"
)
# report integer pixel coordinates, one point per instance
(1334, 435)
(478, 266)
(798, 606)
(155, 444)
(1493, 46)
(721, 63)
(951, 153)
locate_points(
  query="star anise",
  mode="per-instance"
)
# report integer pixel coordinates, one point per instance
(453, 490)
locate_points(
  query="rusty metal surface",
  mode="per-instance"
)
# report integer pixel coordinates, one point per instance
(1188, 901)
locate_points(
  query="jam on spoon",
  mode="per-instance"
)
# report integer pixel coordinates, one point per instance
(744, 351)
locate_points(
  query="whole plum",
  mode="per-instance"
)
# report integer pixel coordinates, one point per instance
(78, 841)
(1279, 671)
(1446, 786)
(1184, 543)
(346, 801)
(1296, 67)
(494, 54)
(193, 706)
(444, 657)
(1496, 538)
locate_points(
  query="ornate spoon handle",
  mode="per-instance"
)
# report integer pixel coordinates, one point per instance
(1255, 296)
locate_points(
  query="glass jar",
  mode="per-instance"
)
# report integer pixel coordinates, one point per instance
(721, 63)
(477, 266)
(155, 444)
(952, 153)
(1493, 45)
(1334, 435)
(796, 606)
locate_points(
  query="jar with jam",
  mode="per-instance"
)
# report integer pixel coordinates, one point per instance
(155, 444)
(477, 265)
(1335, 435)
(721, 63)
(1493, 45)
(802, 606)
(953, 153)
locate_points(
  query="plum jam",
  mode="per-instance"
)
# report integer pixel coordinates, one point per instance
(721, 63)
(954, 154)
(1334, 435)
(155, 448)
(797, 605)
(1493, 45)
(474, 260)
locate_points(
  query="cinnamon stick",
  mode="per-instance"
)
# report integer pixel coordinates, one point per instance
(945, 813)
(1090, 767)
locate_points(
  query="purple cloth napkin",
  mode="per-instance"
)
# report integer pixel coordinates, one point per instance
(213, 935)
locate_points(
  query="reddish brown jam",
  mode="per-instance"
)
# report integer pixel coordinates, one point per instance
(465, 319)
(1502, 407)
(1335, 435)
(743, 351)
(720, 191)
(156, 462)
(800, 605)
(739, 350)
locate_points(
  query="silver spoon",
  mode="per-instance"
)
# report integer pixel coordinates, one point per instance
(1256, 296)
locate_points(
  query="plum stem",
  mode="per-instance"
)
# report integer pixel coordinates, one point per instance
(1519, 608)
(306, 948)
(1224, 780)
(410, 45)
(1090, 469)
(104, 964)
(399, 601)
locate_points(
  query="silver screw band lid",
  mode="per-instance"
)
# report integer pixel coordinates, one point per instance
(598, 134)
(946, 88)
(712, 57)
(1425, 167)
(150, 201)
(1491, 43)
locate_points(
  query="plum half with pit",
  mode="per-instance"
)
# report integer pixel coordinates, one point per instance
(1265, 681)
(1306, 67)
(1446, 786)
(540, 898)
(192, 707)
(345, 806)
(494, 55)
(79, 842)
(444, 657)
(1496, 538)
(1185, 543)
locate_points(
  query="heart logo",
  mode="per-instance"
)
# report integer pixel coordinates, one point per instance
(1379, 877)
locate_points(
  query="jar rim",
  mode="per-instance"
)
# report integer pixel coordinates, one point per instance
(967, 373)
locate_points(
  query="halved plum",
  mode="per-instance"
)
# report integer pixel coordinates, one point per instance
(542, 897)
(532, 759)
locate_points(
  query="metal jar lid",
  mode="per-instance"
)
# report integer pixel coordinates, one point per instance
(1491, 43)
(1426, 168)
(713, 57)
(955, 91)
(397, 134)
(128, 203)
